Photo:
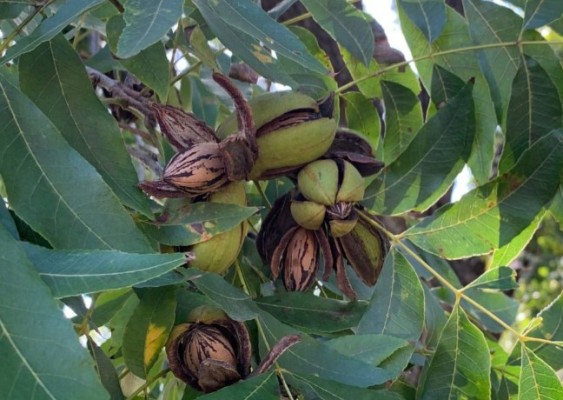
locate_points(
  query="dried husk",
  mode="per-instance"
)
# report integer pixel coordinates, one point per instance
(211, 352)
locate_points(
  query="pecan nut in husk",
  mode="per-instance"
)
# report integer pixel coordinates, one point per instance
(209, 352)
(203, 163)
(220, 252)
(290, 132)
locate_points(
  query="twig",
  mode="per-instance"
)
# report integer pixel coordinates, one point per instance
(118, 89)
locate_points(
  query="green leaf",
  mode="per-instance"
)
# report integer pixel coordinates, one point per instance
(491, 24)
(261, 387)
(434, 317)
(403, 119)
(248, 17)
(445, 85)
(311, 356)
(201, 48)
(556, 208)
(397, 304)
(369, 78)
(502, 278)
(429, 165)
(41, 356)
(12, 9)
(147, 330)
(465, 65)
(50, 27)
(314, 314)
(72, 273)
(500, 304)
(7, 221)
(537, 380)
(505, 206)
(106, 370)
(533, 112)
(550, 329)
(361, 116)
(460, 367)
(389, 353)
(510, 251)
(193, 223)
(233, 301)
(346, 24)
(428, 15)
(146, 22)
(541, 12)
(150, 65)
(312, 84)
(204, 103)
(314, 387)
(39, 170)
(68, 100)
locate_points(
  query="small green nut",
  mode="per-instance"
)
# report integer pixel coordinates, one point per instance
(290, 132)
(293, 146)
(308, 214)
(318, 181)
(352, 187)
(206, 314)
(220, 252)
(341, 227)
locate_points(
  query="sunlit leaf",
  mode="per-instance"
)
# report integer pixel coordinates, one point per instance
(403, 119)
(428, 166)
(39, 170)
(460, 366)
(50, 27)
(465, 65)
(71, 273)
(506, 206)
(41, 356)
(362, 116)
(68, 100)
(147, 330)
(502, 278)
(146, 22)
(508, 253)
(537, 380)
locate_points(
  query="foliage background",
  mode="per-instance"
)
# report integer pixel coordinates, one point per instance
(74, 222)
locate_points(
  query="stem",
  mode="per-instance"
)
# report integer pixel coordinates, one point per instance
(279, 370)
(262, 194)
(459, 293)
(6, 43)
(442, 53)
(118, 89)
(148, 383)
